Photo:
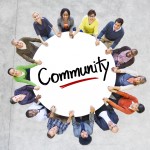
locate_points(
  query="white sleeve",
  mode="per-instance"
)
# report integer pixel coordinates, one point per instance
(127, 87)
(131, 72)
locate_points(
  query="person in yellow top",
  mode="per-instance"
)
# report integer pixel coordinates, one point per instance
(89, 24)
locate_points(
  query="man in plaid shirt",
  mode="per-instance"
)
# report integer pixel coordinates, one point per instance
(55, 125)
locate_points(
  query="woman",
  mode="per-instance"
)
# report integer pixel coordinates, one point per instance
(43, 28)
(22, 74)
(89, 24)
(126, 79)
(65, 22)
(25, 95)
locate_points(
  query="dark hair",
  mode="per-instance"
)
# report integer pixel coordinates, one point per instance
(85, 141)
(119, 20)
(9, 71)
(49, 136)
(90, 12)
(28, 114)
(11, 100)
(63, 10)
(141, 108)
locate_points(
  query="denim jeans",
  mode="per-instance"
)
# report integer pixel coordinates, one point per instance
(49, 36)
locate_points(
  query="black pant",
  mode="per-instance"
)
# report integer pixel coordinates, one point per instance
(28, 74)
(82, 119)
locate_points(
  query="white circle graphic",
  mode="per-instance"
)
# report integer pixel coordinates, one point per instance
(74, 74)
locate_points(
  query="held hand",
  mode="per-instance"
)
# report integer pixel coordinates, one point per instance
(58, 34)
(71, 35)
(110, 88)
(53, 109)
(108, 51)
(36, 87)
(105, 100)
(38, 62)
(97, 42)
(38, 97)
(92, 109)
(115, 69)
(71, 113)
(45, 44)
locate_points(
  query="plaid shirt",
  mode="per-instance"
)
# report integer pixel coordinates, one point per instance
(57, 122)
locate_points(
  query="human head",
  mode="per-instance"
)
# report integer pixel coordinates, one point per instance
(16, 43)
(36, 16)
(84, 138)
(52, 132)
(141, 108)
(132, 53)
(139, 80)
(31, 113)
(113, 127)
(13, 72)
(15, 99)
(65, 13)
(137, 107)
(91, 15)
(118, 23)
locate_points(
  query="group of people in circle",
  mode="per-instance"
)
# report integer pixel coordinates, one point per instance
(105, 117)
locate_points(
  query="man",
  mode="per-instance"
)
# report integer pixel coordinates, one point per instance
(37, 111)
(124, 56)
(55, 125)
(106, 118)
(26, 49)
(126, 103)
(24, 95)
(84, 129)
(111, 34)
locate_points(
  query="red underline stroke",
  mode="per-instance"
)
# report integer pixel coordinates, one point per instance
(78, 81)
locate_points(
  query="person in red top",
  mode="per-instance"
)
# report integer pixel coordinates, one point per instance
(126, 103)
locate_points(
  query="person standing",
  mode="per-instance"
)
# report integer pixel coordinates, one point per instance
(65, 22)
(111, 34)
(43, 28)
(26, 49)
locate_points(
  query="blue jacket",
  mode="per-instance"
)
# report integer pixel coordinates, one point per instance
(28, 91)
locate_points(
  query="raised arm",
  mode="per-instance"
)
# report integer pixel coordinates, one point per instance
(27, 66)
(126, 111)
(27, 58)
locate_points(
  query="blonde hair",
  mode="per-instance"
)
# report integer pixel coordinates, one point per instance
(34, 13)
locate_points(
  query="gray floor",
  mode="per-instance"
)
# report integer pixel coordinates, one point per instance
(16, 131)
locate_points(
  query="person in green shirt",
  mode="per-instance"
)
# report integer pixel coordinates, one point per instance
(22, 74)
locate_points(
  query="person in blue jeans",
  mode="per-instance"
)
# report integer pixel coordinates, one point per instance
(84, 128)
(43, 28)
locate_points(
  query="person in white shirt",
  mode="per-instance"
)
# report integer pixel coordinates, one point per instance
(37, 111)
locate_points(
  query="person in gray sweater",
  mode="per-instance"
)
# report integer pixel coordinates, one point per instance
(65, 22)
(26, 49)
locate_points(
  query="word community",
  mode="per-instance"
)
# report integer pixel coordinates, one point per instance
(101, 65)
